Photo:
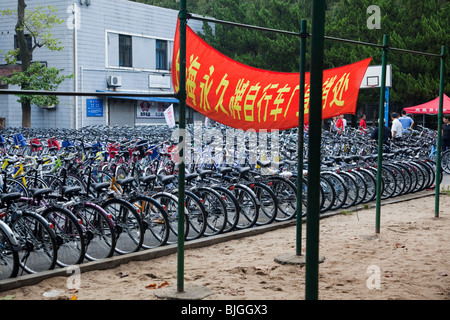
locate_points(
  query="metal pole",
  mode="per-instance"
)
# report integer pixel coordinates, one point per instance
(439, 138)
(301, 116)
(181, 146)
(315, 136)
(381, 131)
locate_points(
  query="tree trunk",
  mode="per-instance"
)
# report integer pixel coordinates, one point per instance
(25, 55)
(26, 114)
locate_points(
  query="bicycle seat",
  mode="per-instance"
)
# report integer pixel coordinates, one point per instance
(290, 162)
(243, 170)
(9, 197)
(190, 176)
(204, 173)
(100, 185)
(263, 164)
(147, 179)
(166, 179)
(125, 181)
(35, 192)
(69, 190)
(224, 170)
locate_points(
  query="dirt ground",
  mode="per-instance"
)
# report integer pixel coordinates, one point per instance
(407, 260)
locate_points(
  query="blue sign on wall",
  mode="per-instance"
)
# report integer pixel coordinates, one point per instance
(94, 107)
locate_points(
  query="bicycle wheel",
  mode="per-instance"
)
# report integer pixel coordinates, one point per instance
(98, 231)
(37, 242)
(340, 189)
(170, 205)
(248, 204)
(371, 184)
(445, 161)
(399, 177)
(69, 235)
(13, 185)
(421, 177)
(268, 208)
(155, 221)
(286, 195)
(352, 189)
(216, 210)
(35, 182)
(233, 208)
(9, 256)
(361, 184)
(328, 193)
(127, 225)
(196, 215)
(413, 174)
(389, 183)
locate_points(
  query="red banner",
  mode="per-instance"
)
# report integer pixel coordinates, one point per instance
(247, 98)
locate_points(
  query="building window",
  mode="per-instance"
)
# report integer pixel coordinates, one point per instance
(29, 45)
(125, 51)
(161, 55)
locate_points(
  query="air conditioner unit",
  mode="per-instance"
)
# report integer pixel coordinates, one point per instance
(114, 81)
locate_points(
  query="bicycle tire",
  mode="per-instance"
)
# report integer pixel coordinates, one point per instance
(413, 173)
(216, 210)
(399, 178)
(155, 221)
(286, 193)
(249, 206)
(37, 242)
(233, 208)
(127, 225)
(339, 188)
(268, 208)
(13, 185)
(420, 176)
(407, 175)
(389, 183)
(9, 255)
(371, 184)
(170, 205)
(328, 194)
(445, 161)
(98, 231)
(361, 184)
(69, 235)
(352, 189)
(196, 215)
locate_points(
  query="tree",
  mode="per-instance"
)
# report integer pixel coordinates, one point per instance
(36, 24)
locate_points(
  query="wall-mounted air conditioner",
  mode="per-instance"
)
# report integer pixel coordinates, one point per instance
(114, 81)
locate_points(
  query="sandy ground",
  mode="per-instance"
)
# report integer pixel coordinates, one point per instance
(407, 260)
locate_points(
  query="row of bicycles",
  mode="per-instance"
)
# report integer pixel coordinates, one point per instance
(71, 196)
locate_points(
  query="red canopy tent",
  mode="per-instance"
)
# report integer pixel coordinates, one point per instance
(430, 107)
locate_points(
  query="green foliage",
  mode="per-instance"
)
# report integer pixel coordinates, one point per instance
(37, 77)
(39, 24)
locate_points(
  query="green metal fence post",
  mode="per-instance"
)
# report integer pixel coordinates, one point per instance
(315, 136)
(181, 147)
(439, 138)
(301, 116)
(380, 132)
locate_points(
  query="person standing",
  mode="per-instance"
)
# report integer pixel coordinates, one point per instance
(362, 124)
(445, 140)
(387, 136)
(333, 127)
(340, 124)
(407, 122)
(396, 128)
